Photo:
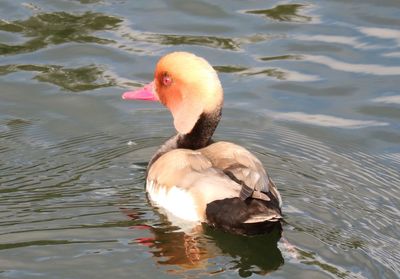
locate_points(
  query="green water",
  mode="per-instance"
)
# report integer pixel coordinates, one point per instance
(312, 88)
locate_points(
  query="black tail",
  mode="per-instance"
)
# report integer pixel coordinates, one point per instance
(248, 217)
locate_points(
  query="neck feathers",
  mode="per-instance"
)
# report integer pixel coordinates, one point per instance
(199, 136)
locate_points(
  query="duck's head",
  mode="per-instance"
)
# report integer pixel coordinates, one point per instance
(187, 85)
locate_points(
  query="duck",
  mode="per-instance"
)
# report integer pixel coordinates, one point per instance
(192, 177)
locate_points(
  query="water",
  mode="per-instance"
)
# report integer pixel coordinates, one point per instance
(312, 88)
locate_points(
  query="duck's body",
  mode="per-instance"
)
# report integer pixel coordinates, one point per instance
(194, 179)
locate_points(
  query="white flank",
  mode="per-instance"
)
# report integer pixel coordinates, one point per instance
(177, 201)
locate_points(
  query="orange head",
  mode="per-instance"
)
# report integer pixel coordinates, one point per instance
(187, 85)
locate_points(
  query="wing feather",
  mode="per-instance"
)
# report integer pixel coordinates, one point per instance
(172, 167)
(242, 167)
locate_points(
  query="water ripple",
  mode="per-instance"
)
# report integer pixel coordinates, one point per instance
(325, 120)
(395, 99)
(56, 28)
(174, 39)
(286, 12)
(334, 39)
(72, 79)
(382, 33)
(379, 70)
(277, 73)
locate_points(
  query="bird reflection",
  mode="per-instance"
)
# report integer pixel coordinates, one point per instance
(257, 254)
(201, 248)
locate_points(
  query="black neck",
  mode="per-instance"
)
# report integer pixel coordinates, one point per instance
(199, 136)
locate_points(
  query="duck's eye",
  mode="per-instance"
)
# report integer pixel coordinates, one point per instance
(167, 80)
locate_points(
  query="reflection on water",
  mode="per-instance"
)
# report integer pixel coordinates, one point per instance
(229, 69)
(88, 1)
(218, 42)
(288, 12)
(182, 251)
(75, 80)
(277, 73)
(57, 28)
(210, 41)
(258, 254)
(281, 57)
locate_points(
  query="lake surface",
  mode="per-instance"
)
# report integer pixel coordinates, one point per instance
(312, 88)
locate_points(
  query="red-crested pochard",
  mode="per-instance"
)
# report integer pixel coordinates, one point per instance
(192, 177)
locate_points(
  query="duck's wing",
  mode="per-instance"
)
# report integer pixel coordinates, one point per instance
(184, 181)
(244, 168)
(171, 168)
